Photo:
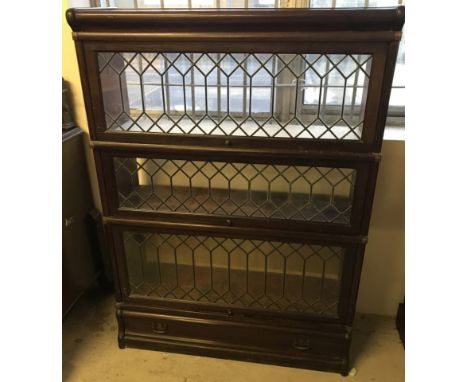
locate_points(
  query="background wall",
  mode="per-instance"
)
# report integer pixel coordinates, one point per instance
(382, 281)
(70, 73)
(383, 275)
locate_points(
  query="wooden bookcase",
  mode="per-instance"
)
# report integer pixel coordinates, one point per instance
(237, 153)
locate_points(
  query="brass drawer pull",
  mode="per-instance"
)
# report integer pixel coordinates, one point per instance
(301, 343)
(159, 327)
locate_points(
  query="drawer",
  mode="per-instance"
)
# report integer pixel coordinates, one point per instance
(321, 97)
(237, 273)
(260, 342)
(325, 195)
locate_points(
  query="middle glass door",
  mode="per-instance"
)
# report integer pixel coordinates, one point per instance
(238, 190)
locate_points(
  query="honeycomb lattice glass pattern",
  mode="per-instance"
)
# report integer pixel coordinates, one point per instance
(317, 96)
(276, 276)
(316, 194)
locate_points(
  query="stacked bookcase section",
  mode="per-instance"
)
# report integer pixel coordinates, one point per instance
(237, 153)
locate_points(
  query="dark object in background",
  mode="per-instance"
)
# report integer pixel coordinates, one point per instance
(99, 249)
(79, 267)
(67, 115)
(400, 322)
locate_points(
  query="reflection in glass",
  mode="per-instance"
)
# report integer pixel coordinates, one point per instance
(316, 194)
(318, 96)
(271, 275)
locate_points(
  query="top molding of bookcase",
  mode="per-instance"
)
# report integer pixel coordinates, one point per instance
(359, 24)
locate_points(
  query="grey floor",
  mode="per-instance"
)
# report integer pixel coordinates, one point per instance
(90, 353)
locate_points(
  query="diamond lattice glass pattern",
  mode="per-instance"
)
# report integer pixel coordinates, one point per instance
(258, 274)
(317, 96)
(317, 194)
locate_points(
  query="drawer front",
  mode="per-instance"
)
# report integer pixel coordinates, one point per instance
(236, 274)
(322, 97)
(318, 194)
(248, 338)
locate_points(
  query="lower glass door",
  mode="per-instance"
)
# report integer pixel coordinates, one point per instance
(269, 275)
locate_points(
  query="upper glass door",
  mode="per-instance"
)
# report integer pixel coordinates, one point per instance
(305, 96)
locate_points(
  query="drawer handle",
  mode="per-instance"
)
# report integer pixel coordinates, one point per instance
(159, 327)
(301, 343)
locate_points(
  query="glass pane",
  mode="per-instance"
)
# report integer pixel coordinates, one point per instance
(397, 99)
(321, 4)
(271, 275)
(353, 3)
(384, 3)
(349, 3)
(317, 194)
(190, 4)
(266, 95)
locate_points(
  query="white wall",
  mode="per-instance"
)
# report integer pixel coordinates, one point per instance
(383, 275)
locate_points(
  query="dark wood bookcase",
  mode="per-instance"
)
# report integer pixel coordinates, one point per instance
(237, 153)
